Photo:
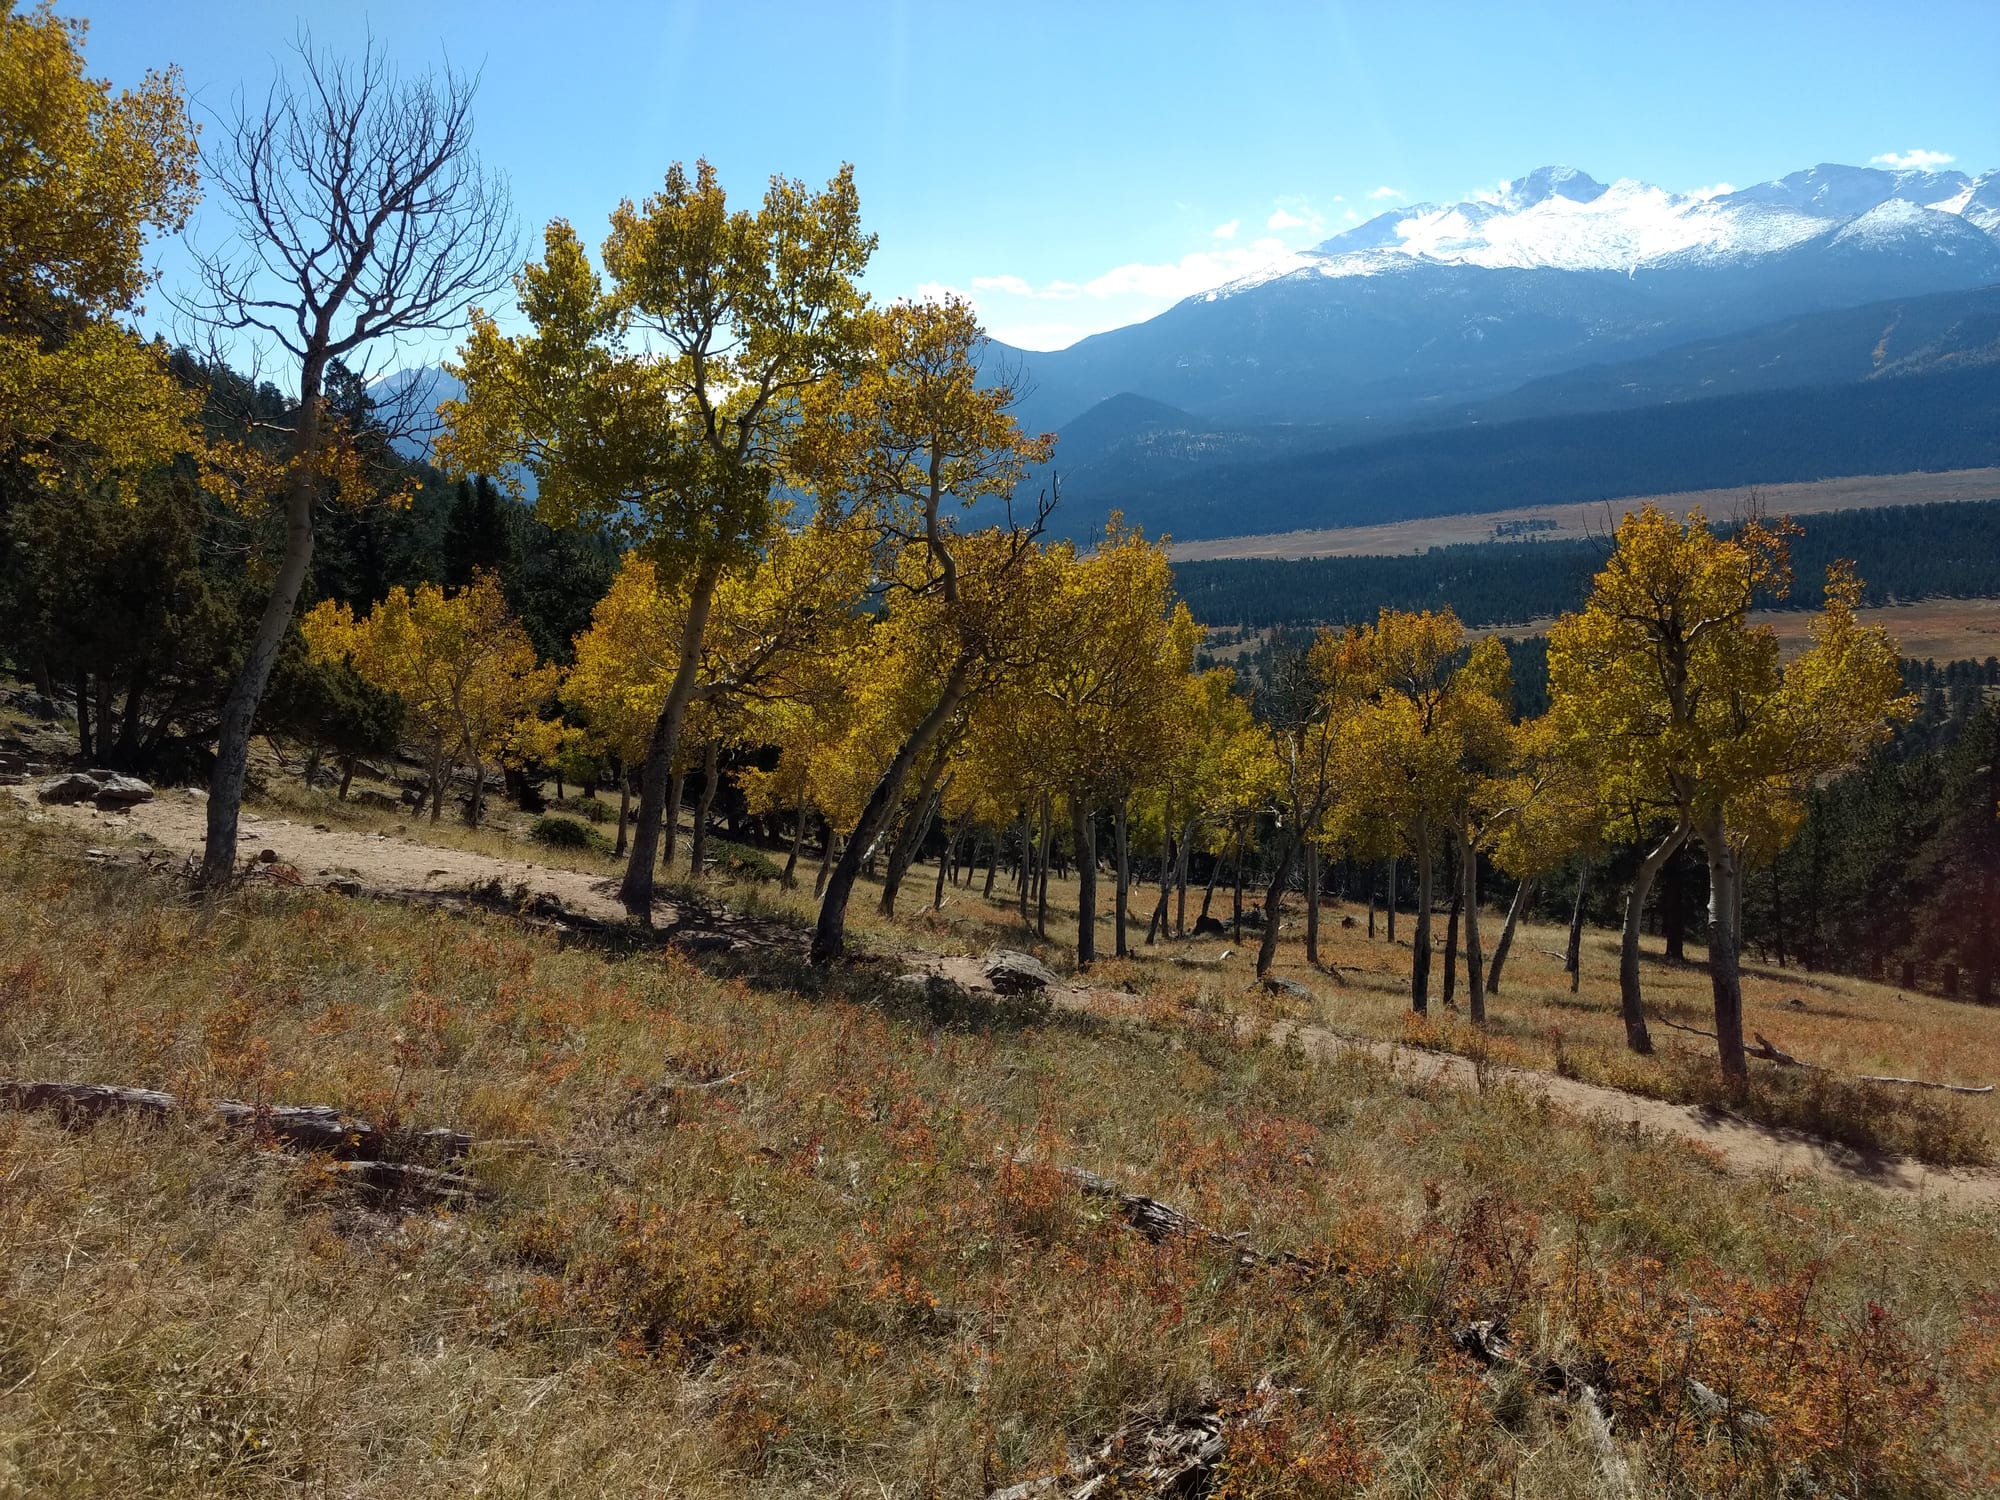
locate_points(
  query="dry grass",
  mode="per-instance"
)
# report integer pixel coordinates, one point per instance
(1849, 1027)
(830, 1281)
(1933, 629)
(1600, 518)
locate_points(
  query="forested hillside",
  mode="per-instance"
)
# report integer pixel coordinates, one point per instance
(1905, 552)
(1944, 420)
(1895, 870)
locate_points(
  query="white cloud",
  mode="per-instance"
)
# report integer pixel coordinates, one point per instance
(1019, 286)
(1913, 161)
(1713, 190)
(1191, 273)
(1284, 220)
(1228, 231)
(1351, 216)
(1386, 191)
(1018, 311)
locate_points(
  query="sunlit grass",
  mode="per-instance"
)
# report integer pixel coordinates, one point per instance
(829, 1278)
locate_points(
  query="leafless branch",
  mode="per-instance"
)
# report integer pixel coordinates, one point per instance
(363, 220)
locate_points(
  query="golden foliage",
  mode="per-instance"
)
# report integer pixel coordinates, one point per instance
(462, 664)
(86, 177)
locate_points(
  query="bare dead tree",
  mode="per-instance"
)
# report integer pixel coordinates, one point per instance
(363, 221)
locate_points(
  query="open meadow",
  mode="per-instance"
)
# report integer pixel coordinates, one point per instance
(753, 1228)
(1599, 519)
(571, 735)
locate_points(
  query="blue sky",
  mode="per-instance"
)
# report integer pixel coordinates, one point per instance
(1079, 166)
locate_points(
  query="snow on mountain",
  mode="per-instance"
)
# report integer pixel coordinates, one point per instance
(1557, 218)
(1898, 221)
(1980, 204)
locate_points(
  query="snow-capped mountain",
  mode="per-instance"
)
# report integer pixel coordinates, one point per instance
(1424, 311)
(1557, 218)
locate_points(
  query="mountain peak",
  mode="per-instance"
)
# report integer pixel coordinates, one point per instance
(1558, 218)
(1549, 182)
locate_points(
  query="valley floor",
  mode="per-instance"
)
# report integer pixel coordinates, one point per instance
(1600, 518)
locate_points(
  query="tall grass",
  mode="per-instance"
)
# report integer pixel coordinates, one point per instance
(855, 1270)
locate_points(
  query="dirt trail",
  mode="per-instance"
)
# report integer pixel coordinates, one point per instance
(396, 865)
(174, 822)
(1746, 1147)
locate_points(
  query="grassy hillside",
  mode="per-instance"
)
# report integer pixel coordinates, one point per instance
(762, 1233)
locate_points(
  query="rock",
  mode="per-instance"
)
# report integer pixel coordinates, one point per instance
(1015, 973)
(116, 793)
(109, 790)
(267, 856)
(1289, 987)
(344, 887)
(12, 778)
(64, 790)
(31, 703)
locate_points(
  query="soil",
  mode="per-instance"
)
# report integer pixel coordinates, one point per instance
(175, 824)
(399, 866)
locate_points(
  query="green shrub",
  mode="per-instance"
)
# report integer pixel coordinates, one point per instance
(740, 862)
(594, 809)
(567, 833)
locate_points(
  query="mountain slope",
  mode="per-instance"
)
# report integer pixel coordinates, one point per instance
(1882, 340)
(1949, 418)
(1424, 308)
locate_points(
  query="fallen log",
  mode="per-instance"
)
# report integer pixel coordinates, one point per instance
(1159, 1221)
(1767, 1051)
(1925, 1083)
(1770, 1053)
(1176, 1453)
(307, 1127)
(1487, 1341)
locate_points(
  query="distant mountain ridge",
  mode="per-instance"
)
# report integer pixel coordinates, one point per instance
(1533, 342)
(1437, 305)
(1563, 219)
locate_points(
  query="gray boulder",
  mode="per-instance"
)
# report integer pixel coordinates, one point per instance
(1014, 973)
(63, 790)
(109, 790)
(115, 792)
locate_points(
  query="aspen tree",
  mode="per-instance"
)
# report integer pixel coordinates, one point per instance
(462, 664)
(664, 407)
(917, 435)
(1663, 686)
(363, 218)
(87, 177)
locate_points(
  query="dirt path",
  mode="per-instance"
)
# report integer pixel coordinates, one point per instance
(1746, 1147)
(385, 864)
(174, 823)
